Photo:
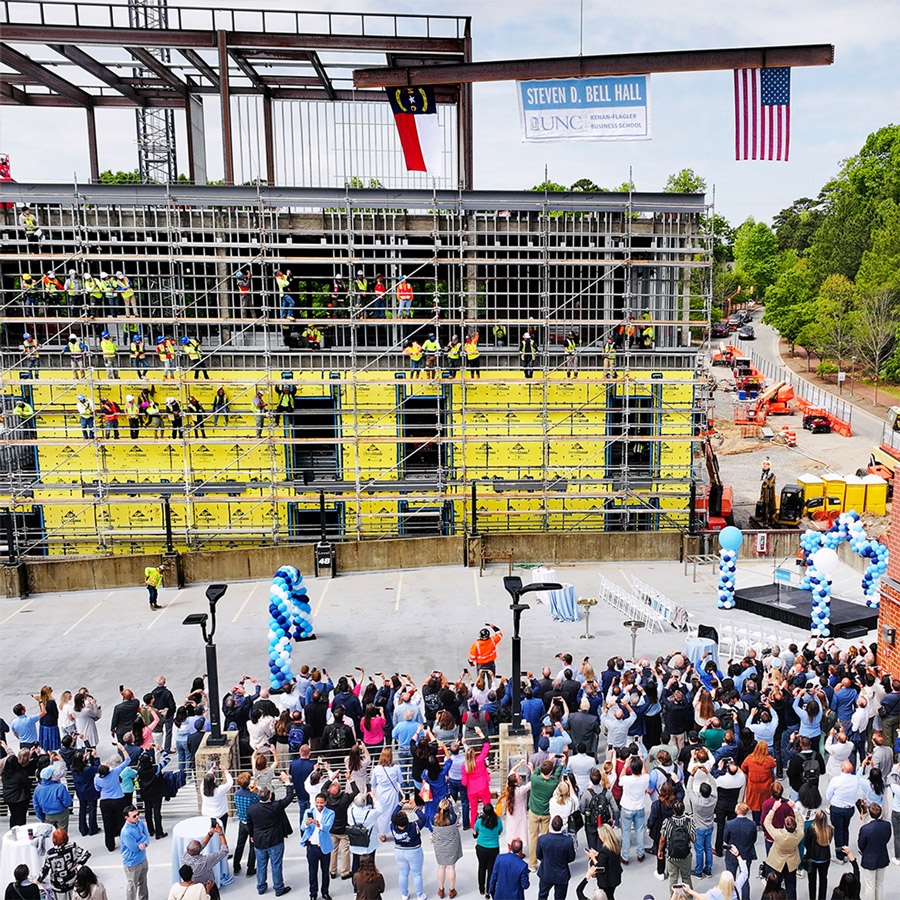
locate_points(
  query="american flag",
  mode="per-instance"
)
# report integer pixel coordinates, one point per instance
(762, 113)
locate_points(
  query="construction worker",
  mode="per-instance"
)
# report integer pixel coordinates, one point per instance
(110, 413)
(24, 412)
(360, 289)
(431, 348)
(154, 416)
(313, 337)
(173, 408)
(414, 351)
(33, 233)
(499, 332)
(404, 298)
(283, 282)
(191, 348)
(647, 332)
(85, 408)
(123, 285)
(287, 394)
(110, 294)
(139, 356)
(453, 351)
(609, 358)
(109, 350)
(526, 354)
(242, 280)
(378, 308)
(74, 292)
(77, 350)
(198, 413)
(473, 355)
(133, 411)
(259, 412)
(766, 468)
(153, 579)
(29, 290)
(571, 347)
(483, 653)
(165, 350)
(54, 291)
(31, 355)
(94, 291)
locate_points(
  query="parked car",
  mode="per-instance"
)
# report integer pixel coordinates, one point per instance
(720, 330)
(746, 333)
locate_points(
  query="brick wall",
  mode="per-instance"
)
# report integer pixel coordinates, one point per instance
(889, 614)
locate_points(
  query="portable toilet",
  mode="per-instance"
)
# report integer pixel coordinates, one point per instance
(835, 486)
(855, 494)
(812, 485)
(876, 494)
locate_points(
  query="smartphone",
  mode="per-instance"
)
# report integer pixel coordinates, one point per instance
(121, 688)
(213, 821)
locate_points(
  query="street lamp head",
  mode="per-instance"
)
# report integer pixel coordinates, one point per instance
(512, 584)
(215, 592)
(195, 619)
(541, 586)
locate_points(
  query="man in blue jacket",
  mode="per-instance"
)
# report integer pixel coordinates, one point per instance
(873, 843)
(555, 851)
(135, 839)
(741, 833)
(52, 801)
(316, 837)
(509, 880)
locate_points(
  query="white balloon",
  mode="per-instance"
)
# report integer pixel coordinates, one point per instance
(826, 561)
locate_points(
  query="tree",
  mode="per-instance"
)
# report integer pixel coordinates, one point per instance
(880, 265)
(796, 225)
(587, 185)
(789, 303)
(756, 256)
(835, 308)
(876, 335)
(548, 186)
(685, 182)
(811, 338)
(110, 177)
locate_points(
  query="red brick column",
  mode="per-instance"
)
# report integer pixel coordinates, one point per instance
(889, 614)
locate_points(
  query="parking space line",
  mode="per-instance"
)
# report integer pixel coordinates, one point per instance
(25, 605)
(475, 577)
(399, 591)
(76, 624)
(163, 611)
(247, 599)
(322, 598)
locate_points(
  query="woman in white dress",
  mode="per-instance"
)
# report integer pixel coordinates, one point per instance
(563, 803)
(85, 711)
(386, 781)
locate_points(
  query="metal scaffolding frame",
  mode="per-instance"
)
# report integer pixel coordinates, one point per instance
(392, 454)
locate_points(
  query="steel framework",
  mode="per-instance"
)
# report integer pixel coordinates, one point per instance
(393, 450)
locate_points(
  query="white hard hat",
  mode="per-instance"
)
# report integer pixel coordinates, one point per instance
(120, 274)
(129, 397)
(72, 272)
(104, 275)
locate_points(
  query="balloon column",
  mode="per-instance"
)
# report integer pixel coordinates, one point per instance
(289, 617)
(822, 562)
(730, 539)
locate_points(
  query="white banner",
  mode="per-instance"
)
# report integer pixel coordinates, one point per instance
(614, 108)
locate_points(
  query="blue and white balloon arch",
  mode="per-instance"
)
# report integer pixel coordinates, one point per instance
(822, 562)
(289, 619)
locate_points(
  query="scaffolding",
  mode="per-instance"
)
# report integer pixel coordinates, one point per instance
(394, 448)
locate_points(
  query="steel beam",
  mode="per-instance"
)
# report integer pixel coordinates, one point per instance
(158, 67)
(92, 145)
(225, 103)
(13, 96)
(98, 70)
(196, 139)
(202, 66)
(323, 75)
(269, 136)
(29, 67)
(607, 64)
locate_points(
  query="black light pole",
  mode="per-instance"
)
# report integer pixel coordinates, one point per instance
(514, 588)
(214, 593)
(167, 520)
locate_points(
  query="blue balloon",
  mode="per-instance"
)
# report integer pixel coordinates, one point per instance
(730, 538)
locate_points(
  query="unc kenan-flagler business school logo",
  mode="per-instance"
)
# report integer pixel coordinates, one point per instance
(411, 100)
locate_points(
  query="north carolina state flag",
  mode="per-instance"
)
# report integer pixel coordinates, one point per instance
(415, 113)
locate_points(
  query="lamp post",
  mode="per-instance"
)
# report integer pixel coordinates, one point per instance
(513, 586)
(214, 593)
(852, 372)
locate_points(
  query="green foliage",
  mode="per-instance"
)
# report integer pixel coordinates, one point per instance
(880, 265)
(110, 177)
(685, 182)
(796, 225)
(789, 302)
(549, 186)
(826, 368)
(588, 186)
(756, 257)
(723, 238)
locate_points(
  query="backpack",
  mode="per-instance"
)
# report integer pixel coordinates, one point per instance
(432, 705)
(339, 738)
(295, 738)
(357, 834)
(599, 812)
(678, 843)
(809, 772)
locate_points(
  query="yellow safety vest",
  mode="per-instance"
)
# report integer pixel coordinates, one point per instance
(431, 347)
(416, 352)
(108, 348)
(454, 350)
(192, 349)
(283, 282)
(571, 347)
(472, 351)
(137, 350)
(153, 576)
(31, 349)
(23, 408)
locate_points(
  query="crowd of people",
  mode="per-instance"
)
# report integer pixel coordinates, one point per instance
(710, 776)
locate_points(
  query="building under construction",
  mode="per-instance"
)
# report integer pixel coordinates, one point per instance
(307, 384)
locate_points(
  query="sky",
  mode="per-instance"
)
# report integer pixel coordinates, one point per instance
(834, 108)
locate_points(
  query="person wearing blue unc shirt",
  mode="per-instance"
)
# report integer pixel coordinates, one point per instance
(316, 837)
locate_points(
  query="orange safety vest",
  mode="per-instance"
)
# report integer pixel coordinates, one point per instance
(404, 291)
(485, 651)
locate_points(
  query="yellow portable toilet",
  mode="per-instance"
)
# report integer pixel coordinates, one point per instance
(855, 494)
(876, 494)
(812, 485)
(835, 486)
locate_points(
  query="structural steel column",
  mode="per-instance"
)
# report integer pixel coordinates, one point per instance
(269, 137)
(464, 139)
(92, 144)
(225, 97)
(196, 138)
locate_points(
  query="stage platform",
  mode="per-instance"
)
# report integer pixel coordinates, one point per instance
(793, 606)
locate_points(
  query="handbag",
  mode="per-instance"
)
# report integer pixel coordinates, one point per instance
(575, 821)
